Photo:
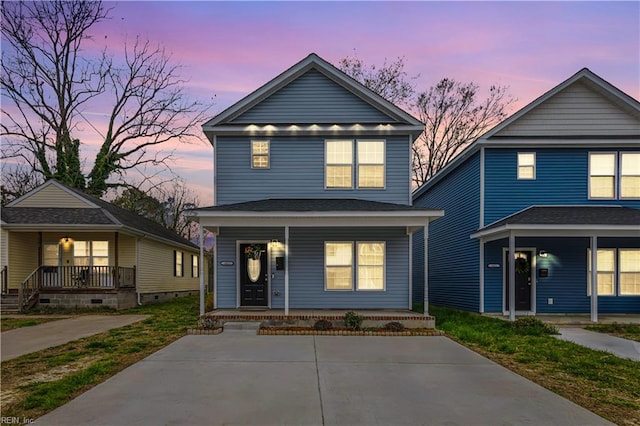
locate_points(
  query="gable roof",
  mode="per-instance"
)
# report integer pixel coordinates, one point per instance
(585, 76)
(100, 214)
(312, 63)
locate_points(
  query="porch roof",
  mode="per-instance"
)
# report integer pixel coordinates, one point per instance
(565, 221)
(315, 212)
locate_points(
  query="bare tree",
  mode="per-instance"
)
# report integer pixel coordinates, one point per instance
(17, 180)
(453, 118)
(389, 81)
(49, 84)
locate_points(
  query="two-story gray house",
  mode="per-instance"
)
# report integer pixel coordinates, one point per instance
(312, 196)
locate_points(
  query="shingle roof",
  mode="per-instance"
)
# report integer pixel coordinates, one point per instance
(105, 214)
(571, 215)
(311, 205)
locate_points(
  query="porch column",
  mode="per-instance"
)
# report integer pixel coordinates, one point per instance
(481, 275)
(200, 266)
(512, 277)
(594, 279)
(426, 270)
(286, 270)
(116, 273)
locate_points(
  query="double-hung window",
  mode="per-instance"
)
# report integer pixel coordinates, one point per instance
(367, 155)
(178, 262)
(606, 264)
(338, 265)
(371, 266)
(259, 154)
(339, 169)
(526, 165)
(368, 265)
(614, 175)
(91, 253)
(195, 266)
(618, 272)
(370, 164)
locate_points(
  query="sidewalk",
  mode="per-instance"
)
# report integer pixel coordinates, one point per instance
(619, 347)
(21, 341)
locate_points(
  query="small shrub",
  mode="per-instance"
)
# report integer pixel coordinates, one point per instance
(353, 320)
(323, 325)
(208, 322)
(531, 326)
(208, 302)
(394, 326)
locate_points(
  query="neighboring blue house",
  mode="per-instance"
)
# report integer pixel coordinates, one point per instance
(558, 184)
(312, 195)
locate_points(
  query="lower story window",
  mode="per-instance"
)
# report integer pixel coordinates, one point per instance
(371, 266)
(368, 263)
(178, 258)
(621, 272)
(339, 265)
(195, 266)
(91, 253)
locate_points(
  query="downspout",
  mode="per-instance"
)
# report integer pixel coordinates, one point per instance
(138, 271)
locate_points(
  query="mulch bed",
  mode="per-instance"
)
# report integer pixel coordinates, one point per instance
(304, 331)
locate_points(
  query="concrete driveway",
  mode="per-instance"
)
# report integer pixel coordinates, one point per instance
(243, 379)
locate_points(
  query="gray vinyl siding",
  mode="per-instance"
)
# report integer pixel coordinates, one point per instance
(312, 99)
(306, 268)
(297, 170)
(453, 255)
(575, 111)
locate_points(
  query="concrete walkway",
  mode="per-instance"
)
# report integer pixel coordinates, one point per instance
(24, 340)
(240, 378)
(619, 347)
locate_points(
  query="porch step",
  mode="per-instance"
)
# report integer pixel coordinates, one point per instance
(9, 304)
(242, 326)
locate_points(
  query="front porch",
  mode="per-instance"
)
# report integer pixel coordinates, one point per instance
(308, 317)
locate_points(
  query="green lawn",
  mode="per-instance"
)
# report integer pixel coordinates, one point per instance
(598, 381)
(36, 383)
(626, 331)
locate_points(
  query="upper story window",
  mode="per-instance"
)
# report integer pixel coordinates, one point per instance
(340, 160)
(527, 165)
(259, 154)
(630, 175)
(370, 164)
(339, 164)
(614, 175)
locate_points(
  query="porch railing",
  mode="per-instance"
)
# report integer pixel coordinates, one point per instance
(74, 277)
(4, 278)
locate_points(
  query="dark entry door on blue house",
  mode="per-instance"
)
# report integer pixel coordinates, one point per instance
(523, 280)
(254, 276)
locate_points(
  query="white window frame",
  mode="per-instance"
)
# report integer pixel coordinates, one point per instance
(620, 272)
(383, 164)
(521, 166)
(91, 255)
(267, 155)
(621, 155)
(326, 270)
(615, 174)
(614, 273)
(327, 165)
(384, 266)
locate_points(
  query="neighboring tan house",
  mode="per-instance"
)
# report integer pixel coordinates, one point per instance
(558, 185)
(61, 247)
(313, 196)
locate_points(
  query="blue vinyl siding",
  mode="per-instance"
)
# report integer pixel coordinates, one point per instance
(453, 256)
(562, 178)
(297, 170)
(312, 99)
(567, 280)
(306, 268)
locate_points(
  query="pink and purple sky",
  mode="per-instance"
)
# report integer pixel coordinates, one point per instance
(229, 49)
